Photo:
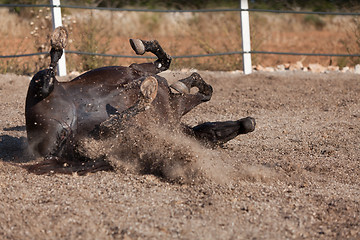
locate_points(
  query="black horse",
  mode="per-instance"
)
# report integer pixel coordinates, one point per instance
(99, 102)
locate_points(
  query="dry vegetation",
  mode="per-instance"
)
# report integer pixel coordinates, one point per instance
(180, 34)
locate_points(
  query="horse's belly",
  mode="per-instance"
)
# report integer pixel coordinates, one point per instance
(91, 112)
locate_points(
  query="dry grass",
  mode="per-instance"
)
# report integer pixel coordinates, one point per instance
(179, 34)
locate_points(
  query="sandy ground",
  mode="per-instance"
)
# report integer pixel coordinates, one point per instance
(297, 176)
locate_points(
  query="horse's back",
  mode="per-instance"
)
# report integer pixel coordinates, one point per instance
(111, 76)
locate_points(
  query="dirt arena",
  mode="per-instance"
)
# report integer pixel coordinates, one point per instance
(297, 176)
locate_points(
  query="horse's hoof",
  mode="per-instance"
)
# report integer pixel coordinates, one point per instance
(138, 46)
(149, 88)
(248, 124)
(180, 87)
(59, 38)
(253, 122)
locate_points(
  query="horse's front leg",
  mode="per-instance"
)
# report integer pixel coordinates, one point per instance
(161, 64)
(217, 133)
(183, 102)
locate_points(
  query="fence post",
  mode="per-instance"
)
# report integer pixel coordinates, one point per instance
(56, 20)
(245, 35)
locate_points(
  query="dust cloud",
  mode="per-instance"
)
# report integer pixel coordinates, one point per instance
(150, 147)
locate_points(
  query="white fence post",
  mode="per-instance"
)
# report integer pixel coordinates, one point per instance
(56, 17)
(245, 35)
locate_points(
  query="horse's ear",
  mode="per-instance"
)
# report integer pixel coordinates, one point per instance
(59, 38)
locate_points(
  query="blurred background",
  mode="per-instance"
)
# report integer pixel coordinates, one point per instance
(27, 29)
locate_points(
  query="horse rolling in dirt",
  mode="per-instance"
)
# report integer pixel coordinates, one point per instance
(99, 102)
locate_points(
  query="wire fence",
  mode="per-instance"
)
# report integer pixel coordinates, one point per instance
(180, 11)
(183, 11)
(188, 56)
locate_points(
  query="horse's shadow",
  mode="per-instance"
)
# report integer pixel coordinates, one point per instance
(14, 149)
(16, 128)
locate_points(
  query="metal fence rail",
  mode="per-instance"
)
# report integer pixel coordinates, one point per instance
(182, 11)
(188, 56)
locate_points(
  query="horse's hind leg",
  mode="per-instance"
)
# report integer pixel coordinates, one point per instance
(44, 80)
(140, 47)
(58, 43)
(115, 122)
(217, 133)
(57, 147)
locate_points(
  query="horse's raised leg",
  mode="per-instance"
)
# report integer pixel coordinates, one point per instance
(42, 86)
(58, 42)
(115, 122)
(194, 80)
(185, 101)
(217, 133)
(161, 64)
(42, 83)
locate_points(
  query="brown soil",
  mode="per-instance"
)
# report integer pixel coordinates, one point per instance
(296, 176)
